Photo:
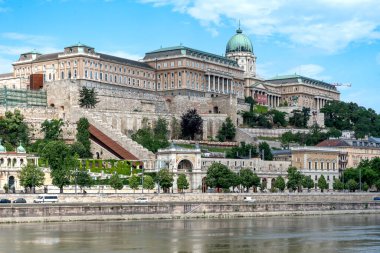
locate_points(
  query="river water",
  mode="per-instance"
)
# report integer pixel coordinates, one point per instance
(344, 233)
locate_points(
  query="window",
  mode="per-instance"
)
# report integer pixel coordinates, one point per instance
(321, 165)
(309, 165)
(106, 77)
(96, 75)
(69, 74)
(316, 165)
(101, 76)
(62, 75)
(86, 74)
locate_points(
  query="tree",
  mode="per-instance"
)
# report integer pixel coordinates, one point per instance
(182, 182)
(13, 129)
(294, 179)
(175, 128)
(307, 183)
(83, 137)
(88, 98)
(165, 179)
(352, 185)
(148, 183)
(322, 183)
(31, 176)
(265, 151)
(246, 178)
(153, 139)
(235, 180)
(249, 179)
(300, 117)
(52, 129)
(219, 176)
(227, 131)
(116, 182)
(191, 124)
(61, 162)
(134, 182)
(338, 185)
(279, 118)
(280, 183)
(242, 151)
(377, 184)
(83, 179)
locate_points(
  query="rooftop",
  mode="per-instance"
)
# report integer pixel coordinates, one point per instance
(182, 50)
(333, 143)
(283, 79)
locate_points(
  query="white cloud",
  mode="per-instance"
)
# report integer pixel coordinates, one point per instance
(28, 38)
(123, 54)
(330, 25)
(309, 70)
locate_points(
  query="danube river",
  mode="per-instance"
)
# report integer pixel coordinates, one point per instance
(344, 233)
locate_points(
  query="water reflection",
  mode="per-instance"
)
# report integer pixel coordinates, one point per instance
(346, 233)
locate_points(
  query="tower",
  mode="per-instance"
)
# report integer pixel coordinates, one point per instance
(239, 48)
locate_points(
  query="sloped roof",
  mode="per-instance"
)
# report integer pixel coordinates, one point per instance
(333, 143)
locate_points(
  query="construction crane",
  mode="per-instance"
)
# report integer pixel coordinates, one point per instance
(341, 84)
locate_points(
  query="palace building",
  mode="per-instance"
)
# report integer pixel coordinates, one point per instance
(177, 70)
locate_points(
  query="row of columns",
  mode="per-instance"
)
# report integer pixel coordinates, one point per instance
(220, 84)
(320, 103)
(273, 101)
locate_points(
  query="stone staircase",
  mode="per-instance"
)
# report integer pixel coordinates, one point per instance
(95, 119)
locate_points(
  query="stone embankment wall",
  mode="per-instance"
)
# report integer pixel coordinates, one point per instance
(185, 210)
(204, 197)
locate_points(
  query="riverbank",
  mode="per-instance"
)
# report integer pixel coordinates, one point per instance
(122, 211)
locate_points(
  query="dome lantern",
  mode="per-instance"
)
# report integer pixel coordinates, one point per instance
(239, 43)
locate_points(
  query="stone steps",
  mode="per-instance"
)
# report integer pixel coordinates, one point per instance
(96, 119)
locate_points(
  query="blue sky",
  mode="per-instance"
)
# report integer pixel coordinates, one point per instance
(337, 41)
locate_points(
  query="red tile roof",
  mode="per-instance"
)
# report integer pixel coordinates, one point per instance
(333, 143)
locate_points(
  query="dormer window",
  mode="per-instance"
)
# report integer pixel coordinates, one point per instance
(71, 50)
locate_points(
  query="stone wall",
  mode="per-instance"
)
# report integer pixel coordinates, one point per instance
(236, 207)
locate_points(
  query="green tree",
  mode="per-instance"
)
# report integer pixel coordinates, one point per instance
(322, 183)
(31, 176)
(294, 179)
(191, 124)
(235, 180)
(79, 149)
(219, 176)
(153, 139)
(242, 151)
(116, 182)
(182, 182)
(13, 129)
(307, 183)
(83, 137)
(61, 162)
(227, 131)
(148, 183)
(352, 185)
(377, 184)
(300, 117)
(249, 179)
(338, 185)
(134, 182)
(279, 118)
(52, 129)
(165, 179)
(265, 151)
(83, 179)
(175, 129)
(88, 98)
(280, 183)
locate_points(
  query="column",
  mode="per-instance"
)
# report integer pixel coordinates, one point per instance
(218, 84)
(232, 86)
(222, 85)
(228, 90)
(209, 81)
(213, 85)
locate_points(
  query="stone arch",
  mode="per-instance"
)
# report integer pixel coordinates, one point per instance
(185, 166)
(11, 183)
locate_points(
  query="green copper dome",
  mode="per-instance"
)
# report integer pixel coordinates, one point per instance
(21, 149)
(239, 43)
